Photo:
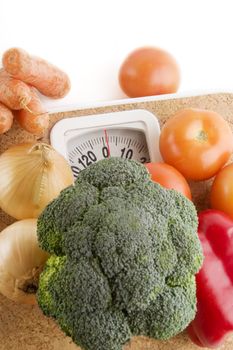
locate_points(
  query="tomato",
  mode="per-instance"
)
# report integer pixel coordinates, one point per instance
(149, 71)
(221, 194)
(196, 142)
(169, 177)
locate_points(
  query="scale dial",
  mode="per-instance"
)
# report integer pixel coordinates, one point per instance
(104, 143)
(132, 134)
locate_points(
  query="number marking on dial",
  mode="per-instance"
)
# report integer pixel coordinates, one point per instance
(91, 147)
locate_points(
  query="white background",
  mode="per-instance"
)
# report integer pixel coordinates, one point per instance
(90, 39)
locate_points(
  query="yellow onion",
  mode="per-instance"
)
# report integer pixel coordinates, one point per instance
(31, 176)
(21, 261)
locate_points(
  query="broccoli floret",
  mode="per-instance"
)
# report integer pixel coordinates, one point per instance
(111, 330)
(62, 213)
(124, 254)
(77, 312)
(114, 172)
(53, 267)
(168, 314)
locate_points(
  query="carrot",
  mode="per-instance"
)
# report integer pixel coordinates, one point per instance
(13, 93)
(6, 119)
(35, 120)
(47, 78)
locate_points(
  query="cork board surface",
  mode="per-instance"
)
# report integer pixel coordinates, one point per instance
(24, 327)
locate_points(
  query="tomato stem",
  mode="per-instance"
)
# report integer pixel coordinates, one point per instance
(202, 136)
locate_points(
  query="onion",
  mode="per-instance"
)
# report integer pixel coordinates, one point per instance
(31, 176)
(21, 261)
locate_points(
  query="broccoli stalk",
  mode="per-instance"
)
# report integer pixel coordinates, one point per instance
(124, 254)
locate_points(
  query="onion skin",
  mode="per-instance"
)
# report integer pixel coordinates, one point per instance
(21, 261)
(32, 175)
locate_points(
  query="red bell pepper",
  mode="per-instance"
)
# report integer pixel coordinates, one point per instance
(214, 318)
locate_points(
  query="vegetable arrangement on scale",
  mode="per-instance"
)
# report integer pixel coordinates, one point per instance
(140, 278)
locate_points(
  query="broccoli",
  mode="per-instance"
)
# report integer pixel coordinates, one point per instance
(124, 252)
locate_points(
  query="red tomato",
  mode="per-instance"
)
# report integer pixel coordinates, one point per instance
(221, 195)
(149, 71)
(169, 177)
(196, 142)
